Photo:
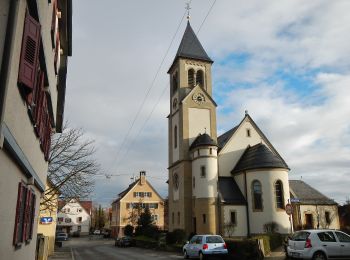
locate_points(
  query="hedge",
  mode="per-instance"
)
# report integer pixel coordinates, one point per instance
(243, 249)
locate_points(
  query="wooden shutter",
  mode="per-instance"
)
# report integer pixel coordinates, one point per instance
(32, 215)
(25, 234)
(30, 52)
(17, 234)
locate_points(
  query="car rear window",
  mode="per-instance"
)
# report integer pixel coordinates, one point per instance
(300, 236)
(214, 239)
(326, 236)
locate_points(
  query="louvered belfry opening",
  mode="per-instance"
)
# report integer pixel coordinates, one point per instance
(191, 77)
(199, 78)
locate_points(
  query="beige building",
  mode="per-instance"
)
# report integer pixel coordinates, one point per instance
(236, 181)
(35, 42)
(47, 221)
(312, 209)
(131, 202)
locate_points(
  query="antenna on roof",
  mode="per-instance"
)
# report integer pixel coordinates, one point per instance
(205, 130)
(246, 112)
(188, 10)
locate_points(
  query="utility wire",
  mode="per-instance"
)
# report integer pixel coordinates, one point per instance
(147, 93)
(166, 86)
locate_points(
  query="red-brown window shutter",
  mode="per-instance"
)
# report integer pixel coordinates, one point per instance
(32, 215)
(25, 234)
(18, 231)
(30, 52)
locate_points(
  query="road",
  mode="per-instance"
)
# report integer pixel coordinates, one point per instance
(97, 248)
(85, 249)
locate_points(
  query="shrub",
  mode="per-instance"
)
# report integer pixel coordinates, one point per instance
(243, 249)
(178, 236)
(128, 230)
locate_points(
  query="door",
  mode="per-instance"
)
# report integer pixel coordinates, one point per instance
(329, 243)
(309, 221)
(344, 241)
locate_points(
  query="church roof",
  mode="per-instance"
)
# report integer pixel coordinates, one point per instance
(257, 157)
(190, 47)
(223, 139)
(308, 195)
(230, 192)
(202, 140)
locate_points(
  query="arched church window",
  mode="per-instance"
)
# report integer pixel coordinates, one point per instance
(279, 194)
(190, 75)
(200, 78)
(175, 137)
(175, 83)
(257, 195)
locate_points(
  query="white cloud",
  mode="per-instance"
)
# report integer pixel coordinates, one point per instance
(118, 46)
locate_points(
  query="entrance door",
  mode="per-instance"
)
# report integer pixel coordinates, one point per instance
(308, 221)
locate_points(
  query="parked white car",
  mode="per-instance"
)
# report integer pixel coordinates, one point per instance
(319, 244)
(205, 245)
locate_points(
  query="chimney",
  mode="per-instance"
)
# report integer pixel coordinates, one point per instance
(142, 177)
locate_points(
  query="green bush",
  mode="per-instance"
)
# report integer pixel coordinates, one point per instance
(243, 249)
(178, 236)
(128, 230)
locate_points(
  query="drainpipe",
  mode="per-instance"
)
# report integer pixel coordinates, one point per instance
(5, 66)
(247, 207)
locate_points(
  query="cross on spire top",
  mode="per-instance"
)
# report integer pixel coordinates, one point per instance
(188, 10)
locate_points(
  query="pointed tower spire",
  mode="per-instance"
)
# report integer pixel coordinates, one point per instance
(190, 46)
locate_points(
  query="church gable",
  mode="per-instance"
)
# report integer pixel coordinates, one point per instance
(199, 97)
(234, 143)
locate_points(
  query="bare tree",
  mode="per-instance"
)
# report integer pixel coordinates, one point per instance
(71, 167)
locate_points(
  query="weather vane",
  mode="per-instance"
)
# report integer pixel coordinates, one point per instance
(188, 10)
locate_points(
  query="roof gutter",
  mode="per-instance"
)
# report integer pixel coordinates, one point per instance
(5, 66)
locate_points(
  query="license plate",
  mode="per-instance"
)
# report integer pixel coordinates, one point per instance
(295, 254)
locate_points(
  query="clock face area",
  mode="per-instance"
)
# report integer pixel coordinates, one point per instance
(199, 98)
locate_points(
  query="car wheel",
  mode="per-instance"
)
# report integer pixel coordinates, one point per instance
(185, 254)
(201, 256)
(319, 256)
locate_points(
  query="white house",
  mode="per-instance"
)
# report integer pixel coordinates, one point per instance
(75, 216)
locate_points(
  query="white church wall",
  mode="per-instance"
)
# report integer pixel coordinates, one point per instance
(175, 152)
(205, 187)
(240, 229)
(232, 152)
(199, 122)
(270, 211)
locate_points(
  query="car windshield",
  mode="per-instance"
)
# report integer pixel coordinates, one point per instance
(214, 239)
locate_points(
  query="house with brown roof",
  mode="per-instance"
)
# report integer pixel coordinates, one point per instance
(312, 209)
(131, 202)
(74, 216)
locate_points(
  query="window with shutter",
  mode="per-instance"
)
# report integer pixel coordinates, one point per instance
(26, 215)
(29, 53)
(32, 215)
(21, 200)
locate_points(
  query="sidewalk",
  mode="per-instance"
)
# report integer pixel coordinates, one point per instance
(62, 253)
(277, 254)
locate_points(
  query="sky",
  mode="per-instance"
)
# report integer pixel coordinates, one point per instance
(287, 62)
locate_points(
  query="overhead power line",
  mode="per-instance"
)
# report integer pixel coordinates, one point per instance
(166, 86)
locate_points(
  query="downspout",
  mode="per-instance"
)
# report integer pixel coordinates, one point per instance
(5, 66)
(247, 207)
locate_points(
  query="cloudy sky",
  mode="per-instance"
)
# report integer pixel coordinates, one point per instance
(286, 62)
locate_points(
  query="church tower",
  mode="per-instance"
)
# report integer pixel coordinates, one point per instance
(192, 114)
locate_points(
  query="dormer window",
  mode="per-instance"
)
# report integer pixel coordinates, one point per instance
(190, 76)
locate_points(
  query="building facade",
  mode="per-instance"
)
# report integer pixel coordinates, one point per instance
(74, 216)
(132, 201)
(35, 42)
(236, 181)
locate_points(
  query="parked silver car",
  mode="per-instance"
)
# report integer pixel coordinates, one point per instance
(319, 244)
(205, 245)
